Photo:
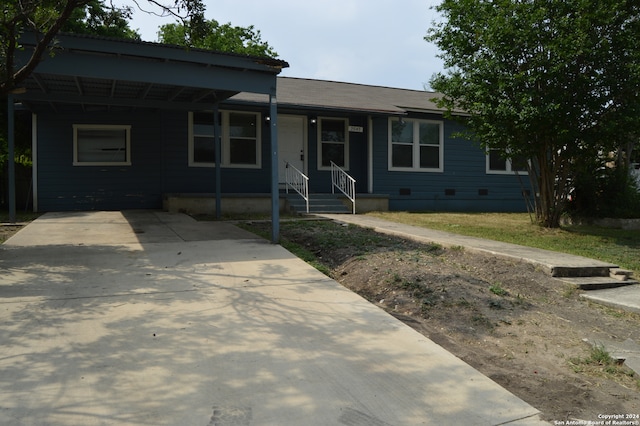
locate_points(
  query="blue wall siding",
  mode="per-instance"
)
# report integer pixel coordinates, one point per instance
(63, 186)
(159, 165)
(464, 173)
(180, 178)
(159, 145)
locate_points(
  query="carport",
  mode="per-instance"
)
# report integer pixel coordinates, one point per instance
(87, 73)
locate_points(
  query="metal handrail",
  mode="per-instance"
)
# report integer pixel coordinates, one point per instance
(345, 183)
(297, 180)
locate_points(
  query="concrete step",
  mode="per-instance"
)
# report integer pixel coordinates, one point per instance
(602, 270)
(318, 203)
(620, 274)
(596, 283)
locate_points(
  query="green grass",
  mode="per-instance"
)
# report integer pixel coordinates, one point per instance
(600, 362)
(498, 290)
(618, 246)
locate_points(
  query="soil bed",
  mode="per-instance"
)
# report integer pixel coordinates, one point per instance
(6, 231)
(508, 319)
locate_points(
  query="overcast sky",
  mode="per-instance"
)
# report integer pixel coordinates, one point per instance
(377, 42)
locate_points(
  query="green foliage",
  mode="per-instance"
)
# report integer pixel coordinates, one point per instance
(553, 81)
(603, 187)
(96, 18)
(221, 38)
(600, 362)
(498, 290)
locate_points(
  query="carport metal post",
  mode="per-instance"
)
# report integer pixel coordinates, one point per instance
(275, 191)
(11, 159)
(218, 153)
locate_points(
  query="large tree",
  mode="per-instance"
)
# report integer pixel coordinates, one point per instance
(223, 38)
(553, 81)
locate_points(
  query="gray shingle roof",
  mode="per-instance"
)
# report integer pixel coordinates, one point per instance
(332, 95)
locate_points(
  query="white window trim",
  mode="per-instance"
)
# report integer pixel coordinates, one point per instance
(416, 148)
(345, 167)
(508, 170)
(126, 128)
(226, 142)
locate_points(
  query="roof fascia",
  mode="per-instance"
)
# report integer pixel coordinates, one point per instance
(150, 50)
(167, 73)
(317, 108)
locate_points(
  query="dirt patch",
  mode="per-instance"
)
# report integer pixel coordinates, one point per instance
(6, 231)
(508, 319)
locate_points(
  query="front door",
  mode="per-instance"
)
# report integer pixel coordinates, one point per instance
(292, 136)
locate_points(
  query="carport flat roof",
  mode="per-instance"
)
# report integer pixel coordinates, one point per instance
(94, 71)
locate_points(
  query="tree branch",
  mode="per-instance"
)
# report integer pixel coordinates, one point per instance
(42, 45)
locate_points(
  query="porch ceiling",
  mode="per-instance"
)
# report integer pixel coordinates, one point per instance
(92, 73)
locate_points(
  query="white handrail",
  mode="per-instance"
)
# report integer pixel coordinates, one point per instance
(345, 183)
(297, 180)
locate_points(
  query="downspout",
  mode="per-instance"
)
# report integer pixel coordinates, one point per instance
(275, 192)
(11, 159)
(218, 151)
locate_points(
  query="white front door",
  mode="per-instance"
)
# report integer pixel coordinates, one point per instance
(292, 136)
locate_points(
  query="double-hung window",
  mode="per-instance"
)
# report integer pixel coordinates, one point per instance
(415, 145)
(241, 139)
(202, 143)
(101, 145)
(333, 141)
(497, 163)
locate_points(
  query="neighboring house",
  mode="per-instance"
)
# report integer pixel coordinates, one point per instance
(123, 125)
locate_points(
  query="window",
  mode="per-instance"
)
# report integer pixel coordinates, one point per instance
(101, 145)
(241, 146)
(415, 145)
(203, 143)
(241, 139)
(334, 141)
(496, 163)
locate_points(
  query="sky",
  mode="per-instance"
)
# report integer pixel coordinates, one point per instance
(374, 42)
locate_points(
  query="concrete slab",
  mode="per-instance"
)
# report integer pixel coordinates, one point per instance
(627, 297)
(553, 262)
(596, 283)
(102, 324)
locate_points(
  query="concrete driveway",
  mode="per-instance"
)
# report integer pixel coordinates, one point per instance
(151, 318)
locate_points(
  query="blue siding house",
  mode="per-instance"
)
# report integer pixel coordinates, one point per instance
(164, 123)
